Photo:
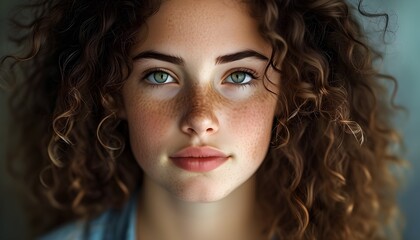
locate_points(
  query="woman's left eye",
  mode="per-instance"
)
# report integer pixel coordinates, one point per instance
(240, 77)
(159, 77)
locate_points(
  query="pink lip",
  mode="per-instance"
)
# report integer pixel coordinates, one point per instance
(199, 159)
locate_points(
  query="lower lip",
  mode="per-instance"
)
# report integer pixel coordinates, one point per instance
(203, 164)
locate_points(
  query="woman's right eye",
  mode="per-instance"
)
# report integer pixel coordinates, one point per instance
(159, 77)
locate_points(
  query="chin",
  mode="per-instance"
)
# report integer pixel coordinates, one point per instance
(200, 198)
(199, 192)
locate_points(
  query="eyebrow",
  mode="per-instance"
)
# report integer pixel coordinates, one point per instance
(159, 56)
(219, 60)
(240, 55)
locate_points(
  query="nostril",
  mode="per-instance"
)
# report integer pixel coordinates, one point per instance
(198, 124)
(191, 131)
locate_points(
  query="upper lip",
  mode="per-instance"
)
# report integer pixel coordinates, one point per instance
(198, 152)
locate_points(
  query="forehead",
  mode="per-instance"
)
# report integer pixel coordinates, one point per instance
(203, 12)
(201, 24)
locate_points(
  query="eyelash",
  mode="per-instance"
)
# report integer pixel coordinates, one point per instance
(253, 74)
(150, 71)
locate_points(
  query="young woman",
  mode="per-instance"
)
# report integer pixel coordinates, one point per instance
(202, 120)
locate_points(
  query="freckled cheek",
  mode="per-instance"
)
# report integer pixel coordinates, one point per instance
(147, 127)
(251, 129)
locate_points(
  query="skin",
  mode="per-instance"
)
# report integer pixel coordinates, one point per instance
(199, 106)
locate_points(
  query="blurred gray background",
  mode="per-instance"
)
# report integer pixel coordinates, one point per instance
(402, 60)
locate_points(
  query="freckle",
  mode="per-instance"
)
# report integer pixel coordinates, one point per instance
(201, 101)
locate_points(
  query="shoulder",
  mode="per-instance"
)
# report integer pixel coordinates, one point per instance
(111, 224)
(78, 230)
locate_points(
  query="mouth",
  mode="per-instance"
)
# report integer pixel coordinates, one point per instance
(199, 159)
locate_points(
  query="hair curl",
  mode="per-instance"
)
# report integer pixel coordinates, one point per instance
(326, 175)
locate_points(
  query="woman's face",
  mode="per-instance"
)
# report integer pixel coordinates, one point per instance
(198, 81)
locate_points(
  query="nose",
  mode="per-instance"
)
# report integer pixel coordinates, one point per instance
(199, 118)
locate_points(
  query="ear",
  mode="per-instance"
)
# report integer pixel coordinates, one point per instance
(277, 111)
(121, 113)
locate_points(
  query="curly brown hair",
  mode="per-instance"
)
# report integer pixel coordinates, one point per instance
(326, 176)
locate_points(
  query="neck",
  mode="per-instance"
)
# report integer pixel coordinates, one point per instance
(162, 216)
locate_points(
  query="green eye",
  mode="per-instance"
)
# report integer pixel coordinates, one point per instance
(159, 77)
(239, 77)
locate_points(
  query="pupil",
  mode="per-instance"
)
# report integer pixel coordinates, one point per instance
(161, 77)
(238, 77)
